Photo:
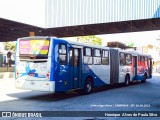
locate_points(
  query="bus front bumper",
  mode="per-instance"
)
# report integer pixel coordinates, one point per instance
(36, 85)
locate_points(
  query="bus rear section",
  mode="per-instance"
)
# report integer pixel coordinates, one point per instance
(33, 64)
(129, 66)
(144, 67)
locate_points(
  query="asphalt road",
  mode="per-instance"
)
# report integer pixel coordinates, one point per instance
(136, 97)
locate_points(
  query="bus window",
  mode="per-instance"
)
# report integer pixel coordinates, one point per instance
(146, 61)
(149, 63)
(74, 61)
(76, 54)
(142, 58)
(128, 59)
(62, 54)
(139, 60)
(105, 57)
(122, 59)
(87, 53)
(71, 56)
(142, 61)
(97, 52)
(97, 56)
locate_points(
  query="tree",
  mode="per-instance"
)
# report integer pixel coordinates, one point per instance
(9, 46)
(90, 39)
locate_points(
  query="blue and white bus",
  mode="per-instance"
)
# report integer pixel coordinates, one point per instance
(58, 65)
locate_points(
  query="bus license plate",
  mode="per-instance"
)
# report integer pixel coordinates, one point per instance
(32, 74)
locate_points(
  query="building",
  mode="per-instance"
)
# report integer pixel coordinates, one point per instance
(79, 12)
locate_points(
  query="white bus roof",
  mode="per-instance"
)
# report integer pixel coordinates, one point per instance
(87, 45)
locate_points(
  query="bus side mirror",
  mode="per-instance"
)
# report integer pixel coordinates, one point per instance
(153, 62)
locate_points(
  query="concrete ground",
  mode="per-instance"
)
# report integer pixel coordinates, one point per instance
(136, 97)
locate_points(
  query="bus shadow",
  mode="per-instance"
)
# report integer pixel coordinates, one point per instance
(47, 96)
(42, 96)
(114, 86)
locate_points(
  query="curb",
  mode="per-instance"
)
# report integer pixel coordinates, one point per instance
(6, 75)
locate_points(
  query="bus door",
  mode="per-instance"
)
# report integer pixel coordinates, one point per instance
(134, 66)
(62, 67)
(150, 68)
(75, 73)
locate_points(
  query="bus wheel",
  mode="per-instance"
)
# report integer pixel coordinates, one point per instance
(88, 86)
(127, 80)
(144, 79)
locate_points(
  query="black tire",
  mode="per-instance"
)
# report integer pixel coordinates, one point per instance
(127, 80)
(88, 86)
(144, 79)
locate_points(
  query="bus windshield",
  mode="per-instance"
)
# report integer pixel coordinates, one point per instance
(34, 47)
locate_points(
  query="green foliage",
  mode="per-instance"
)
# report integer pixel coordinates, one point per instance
(90, 39)
(9, 46)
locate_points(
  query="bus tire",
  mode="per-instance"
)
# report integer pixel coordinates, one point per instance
(88, 85)
(144, 79)
(127, 80)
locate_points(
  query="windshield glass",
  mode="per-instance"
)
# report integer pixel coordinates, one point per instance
(34, 47)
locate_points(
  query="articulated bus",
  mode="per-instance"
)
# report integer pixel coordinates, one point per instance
(58, 65)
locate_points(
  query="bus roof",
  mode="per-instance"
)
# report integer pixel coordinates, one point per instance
(34, 37)
(74, 43)
(83, 44)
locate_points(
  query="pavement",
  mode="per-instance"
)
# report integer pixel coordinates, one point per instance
(7, 86)
(98, 101)
(6, 75)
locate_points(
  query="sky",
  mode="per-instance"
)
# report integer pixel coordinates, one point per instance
(144, 38)
(26, 11)
(139, 38)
